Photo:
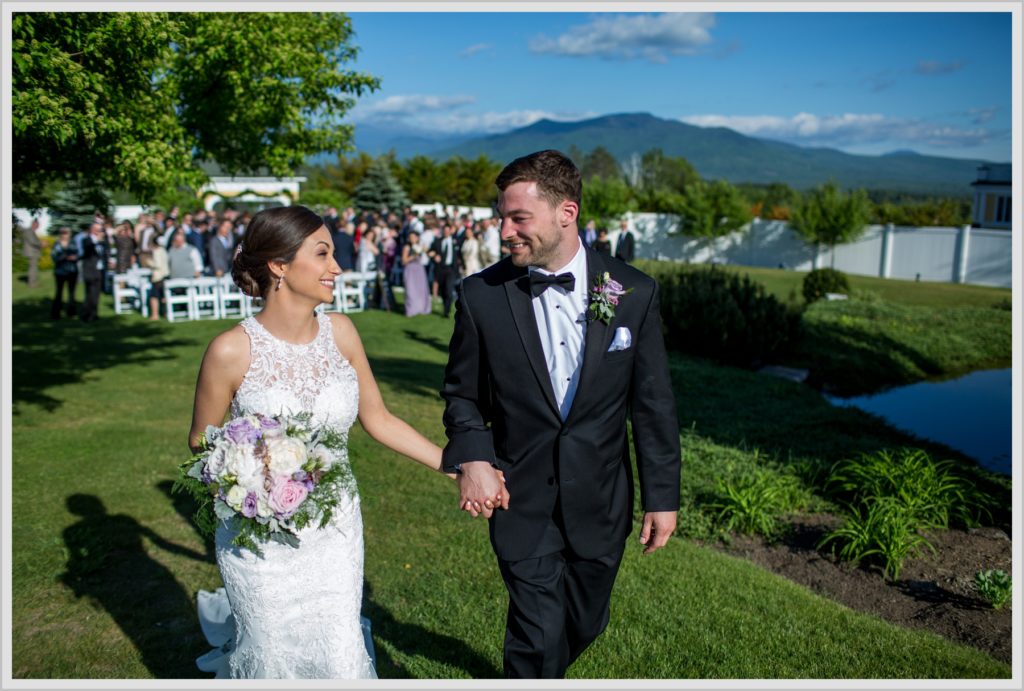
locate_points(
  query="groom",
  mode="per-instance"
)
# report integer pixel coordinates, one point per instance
(538, 386)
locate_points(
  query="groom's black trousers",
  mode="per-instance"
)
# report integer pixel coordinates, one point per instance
(558, 605)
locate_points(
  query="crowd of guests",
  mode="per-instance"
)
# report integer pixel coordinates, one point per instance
(426, 255)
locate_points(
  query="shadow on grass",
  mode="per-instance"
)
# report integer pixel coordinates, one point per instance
(414, 377)
(186, 508)
(417, 640)
(48, 354)
(108, 564)
(435, 343)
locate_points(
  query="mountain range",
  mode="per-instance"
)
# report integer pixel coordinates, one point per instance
(716, 153)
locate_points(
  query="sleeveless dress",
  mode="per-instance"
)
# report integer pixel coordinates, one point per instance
(293, 612)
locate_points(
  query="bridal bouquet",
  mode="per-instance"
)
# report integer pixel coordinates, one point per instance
(268, 476)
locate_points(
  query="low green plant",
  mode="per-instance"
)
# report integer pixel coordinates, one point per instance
(932, 491)
(885, 530)
(820, 281)
(754, 503)
(995, 585)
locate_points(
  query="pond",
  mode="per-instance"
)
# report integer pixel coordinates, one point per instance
(972, 414)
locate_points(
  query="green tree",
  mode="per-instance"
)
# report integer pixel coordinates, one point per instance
(828, 216)
(658, 180)
(380, 189)
(601, 164)
(136, 100)
(604, 201)
(710, 210)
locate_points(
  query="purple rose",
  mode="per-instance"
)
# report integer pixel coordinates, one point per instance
(614, 285)
(271, 427)
(614, 299)
(241, 431)
(249, 505)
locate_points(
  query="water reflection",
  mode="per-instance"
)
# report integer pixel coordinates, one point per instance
(972, 414)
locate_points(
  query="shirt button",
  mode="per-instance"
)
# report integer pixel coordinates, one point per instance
(568, 378)
(563, 342)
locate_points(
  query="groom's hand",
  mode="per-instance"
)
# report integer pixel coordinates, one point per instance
(658, 528)
(481, 489)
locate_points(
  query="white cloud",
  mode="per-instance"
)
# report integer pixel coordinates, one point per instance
(407, 105)
(979, 116)
(653, 37)
(492, 122)
(847, 129)
(936, 67)
(474, 49)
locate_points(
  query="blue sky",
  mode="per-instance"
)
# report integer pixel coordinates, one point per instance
(862, 82)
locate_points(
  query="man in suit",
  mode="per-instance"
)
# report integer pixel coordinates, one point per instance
(538, 387)
(220, 250)
(625, 246)
(93, 260)
(344, 246)
(588, 235)
(447, 257)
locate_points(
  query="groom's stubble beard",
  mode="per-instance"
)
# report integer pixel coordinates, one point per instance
(544, 250)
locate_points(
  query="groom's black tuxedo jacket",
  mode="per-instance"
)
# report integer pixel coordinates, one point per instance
(501, 408)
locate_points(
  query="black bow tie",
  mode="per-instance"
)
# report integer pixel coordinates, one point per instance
(539, 282)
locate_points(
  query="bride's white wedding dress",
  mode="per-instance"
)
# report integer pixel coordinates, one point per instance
(294, 612)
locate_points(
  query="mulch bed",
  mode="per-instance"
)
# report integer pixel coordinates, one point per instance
(934, 592)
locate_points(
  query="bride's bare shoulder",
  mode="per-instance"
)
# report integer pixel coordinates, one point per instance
(229, 349)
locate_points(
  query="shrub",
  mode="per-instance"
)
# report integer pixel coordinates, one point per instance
(719, 315)
(821, 281)
(932, 491)
(995, 585)
(885, 530)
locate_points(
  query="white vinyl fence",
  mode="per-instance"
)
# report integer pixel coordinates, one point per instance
(955, 255)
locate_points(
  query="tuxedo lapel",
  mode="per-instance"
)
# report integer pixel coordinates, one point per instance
(521, 302)
(597, 340)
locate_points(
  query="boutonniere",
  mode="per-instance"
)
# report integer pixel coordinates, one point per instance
(604, 297)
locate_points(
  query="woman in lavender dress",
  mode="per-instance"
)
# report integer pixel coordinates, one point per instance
(414, 278)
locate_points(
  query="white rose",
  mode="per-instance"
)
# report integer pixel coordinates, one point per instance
(215, 462)
(241, 462)
(263, 507)
(286, 455)
(235, 496)
(323, 456)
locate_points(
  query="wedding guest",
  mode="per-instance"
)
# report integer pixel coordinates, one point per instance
(625, 247)
(471, 250)
(32, 248)
(65, 273)
(124, 246)
(602, 244)
(94, 259)
(161, 269)
(414, 278)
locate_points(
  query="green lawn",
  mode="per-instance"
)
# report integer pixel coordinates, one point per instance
(106, 562)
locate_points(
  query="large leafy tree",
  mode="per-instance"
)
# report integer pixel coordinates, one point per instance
(709, 210)
(828, 216)
(135, 101)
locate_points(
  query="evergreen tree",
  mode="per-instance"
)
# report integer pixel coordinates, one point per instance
(75, 205)
(380, 189)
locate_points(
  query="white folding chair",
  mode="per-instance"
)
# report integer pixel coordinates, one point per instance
(231, 299)
(206, 297)
(126, 293)
(352, 291)
(178, 292)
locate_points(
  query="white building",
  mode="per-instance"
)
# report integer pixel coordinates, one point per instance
(992, 195)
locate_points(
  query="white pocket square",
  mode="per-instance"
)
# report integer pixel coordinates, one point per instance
(622, 341)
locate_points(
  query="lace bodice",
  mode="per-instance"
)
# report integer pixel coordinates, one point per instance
(293, 378)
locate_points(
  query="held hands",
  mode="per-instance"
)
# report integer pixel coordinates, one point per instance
(658, 528)
(482, 489)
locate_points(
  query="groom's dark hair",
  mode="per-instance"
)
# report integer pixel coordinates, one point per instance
(557, 177)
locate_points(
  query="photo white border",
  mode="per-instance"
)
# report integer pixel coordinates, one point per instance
(6, 247)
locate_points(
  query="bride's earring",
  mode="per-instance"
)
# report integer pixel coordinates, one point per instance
(280, 279)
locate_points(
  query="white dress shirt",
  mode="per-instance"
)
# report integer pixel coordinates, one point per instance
(561, 321)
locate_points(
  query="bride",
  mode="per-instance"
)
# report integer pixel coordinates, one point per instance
(293, 612)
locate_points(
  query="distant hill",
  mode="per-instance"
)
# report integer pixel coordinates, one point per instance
(722, 153)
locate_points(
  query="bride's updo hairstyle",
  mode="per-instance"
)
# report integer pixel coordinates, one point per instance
(272, 235)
